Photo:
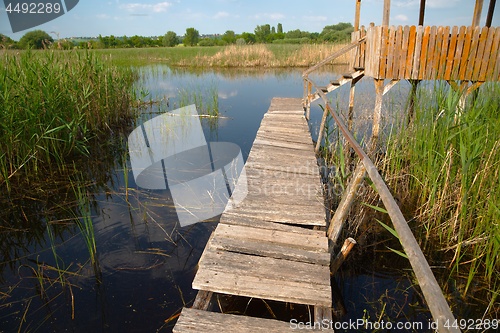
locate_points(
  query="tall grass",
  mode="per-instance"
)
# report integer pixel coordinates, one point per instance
(261, 55)
(52, 104)
(448, 161)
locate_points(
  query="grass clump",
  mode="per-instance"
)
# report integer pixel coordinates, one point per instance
(448, 161)
(52, 104)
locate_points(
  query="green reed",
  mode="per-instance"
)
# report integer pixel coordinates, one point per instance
(52, 104)
(448, 161)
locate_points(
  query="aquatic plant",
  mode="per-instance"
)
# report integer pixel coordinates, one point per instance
(52, 104)
(448, 160)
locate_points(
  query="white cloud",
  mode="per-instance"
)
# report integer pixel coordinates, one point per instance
(221, 15)
(401, 18)
(155, 8)
(270, 16)
(103, 16)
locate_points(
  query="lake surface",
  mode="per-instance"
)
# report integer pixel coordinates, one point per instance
(145, 260)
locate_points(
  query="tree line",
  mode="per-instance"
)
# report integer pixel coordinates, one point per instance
(263, 34)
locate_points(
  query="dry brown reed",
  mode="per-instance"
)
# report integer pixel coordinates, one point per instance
(269, 56)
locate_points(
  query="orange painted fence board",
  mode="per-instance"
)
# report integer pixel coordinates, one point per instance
(431, 53)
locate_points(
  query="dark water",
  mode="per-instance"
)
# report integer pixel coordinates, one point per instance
(145, 260)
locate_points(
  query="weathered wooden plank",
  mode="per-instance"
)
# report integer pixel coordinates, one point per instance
(423, 52)
(234, 218)
(265, 267)
(466, 52)
(433, 72)
(443, 53)
(457, 62)
(451, 53)
(391, 51)
(418, 51)
(289, 217)
(493, 72)
(404, 53)
(313, 243)
(196, 321)
(384, 51)
(410, 55)
(472, 54)
(483, 39)
(263, 277)
(268, 249)
(429, 62)
(488, 54)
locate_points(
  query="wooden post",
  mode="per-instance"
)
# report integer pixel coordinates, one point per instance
(358, 12)
(387, 12)
(411, 102)
(321, 130)
(351, 101)
(342, 255)
(491, 9)
(478, 8)
(377, 112)
(422, 13)
(338, 219)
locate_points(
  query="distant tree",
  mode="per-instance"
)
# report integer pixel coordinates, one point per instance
(170, 39)
(262, 32)
(7, 42)
(280, 28)
(241, 41)
(192, 37)
(248, 37)
(207, 42)
(229, 37)
(340, 32)
(273, 30)
(37, 39)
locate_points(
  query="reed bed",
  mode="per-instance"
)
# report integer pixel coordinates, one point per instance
(269, 56)
(52, 104)
(448, 161)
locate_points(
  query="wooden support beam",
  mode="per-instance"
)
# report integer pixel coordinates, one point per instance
(356, 17)
(338, 219)
(387, 12)
(203, 300)
(351, 101)
(321, 131)
(422, 13)
(377, 111)
(491, 9)
(342, 255)
(478, 9)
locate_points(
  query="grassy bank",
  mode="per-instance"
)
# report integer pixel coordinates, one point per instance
(260, 55)
(52, 104)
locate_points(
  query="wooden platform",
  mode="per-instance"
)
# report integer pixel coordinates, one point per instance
(266, 246)
(196, 321)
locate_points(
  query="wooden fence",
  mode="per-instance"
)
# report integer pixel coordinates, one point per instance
(430, 53)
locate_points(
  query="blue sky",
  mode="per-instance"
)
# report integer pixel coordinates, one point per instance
(156, 17)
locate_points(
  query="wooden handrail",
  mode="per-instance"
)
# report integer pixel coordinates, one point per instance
(438, 306)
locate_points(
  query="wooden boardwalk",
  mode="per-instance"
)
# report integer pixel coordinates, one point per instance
(272, 245)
